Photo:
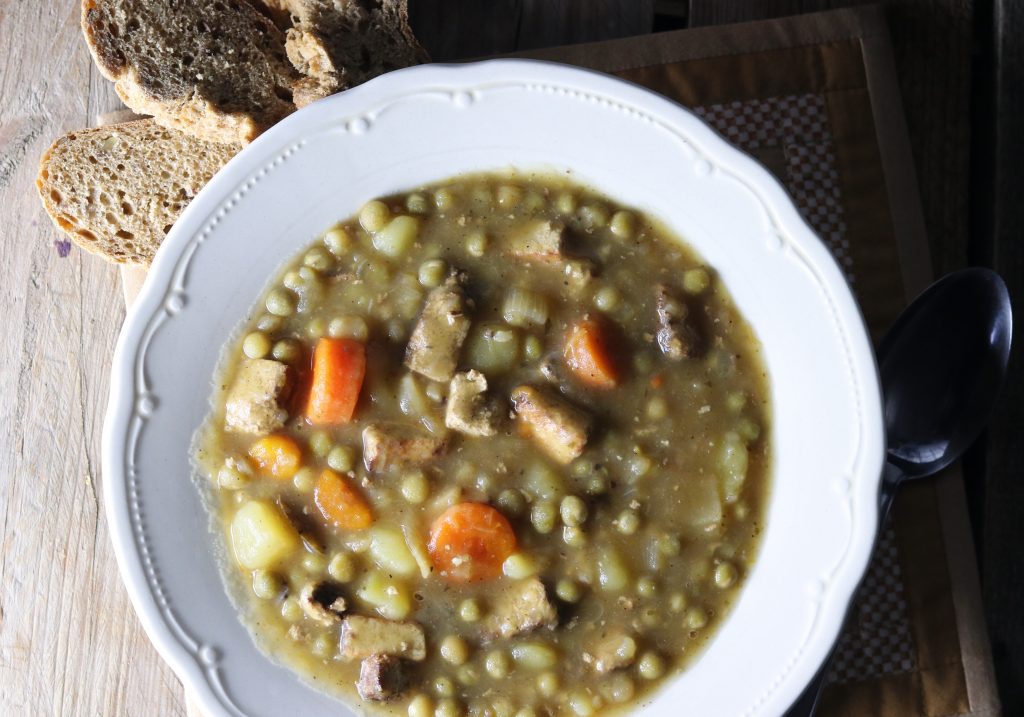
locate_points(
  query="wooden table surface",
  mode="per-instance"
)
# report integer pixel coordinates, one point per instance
(69, 640)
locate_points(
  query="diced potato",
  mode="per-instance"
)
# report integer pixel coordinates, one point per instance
(261, 535)
(397, 236)
(390, 598)
(733, 459)
(612, 573)
(700, 498)
(492, 348)
(412, 399)
(389, 551)
(544, 482)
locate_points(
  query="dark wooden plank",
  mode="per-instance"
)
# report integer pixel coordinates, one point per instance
(1002, 529)
(546, 23)
(462, 29)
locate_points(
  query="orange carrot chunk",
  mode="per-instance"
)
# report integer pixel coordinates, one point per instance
(340, 503)
(339, 366)
(469, 542)
(589, 355)
(277, 455)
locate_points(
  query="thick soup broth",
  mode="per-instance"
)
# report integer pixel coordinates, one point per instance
(497, 446)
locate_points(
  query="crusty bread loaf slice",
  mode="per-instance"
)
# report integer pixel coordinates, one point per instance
(215, 69)
(338, 44)
(117, 190)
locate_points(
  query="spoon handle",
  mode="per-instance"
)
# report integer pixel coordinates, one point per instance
(807, 703)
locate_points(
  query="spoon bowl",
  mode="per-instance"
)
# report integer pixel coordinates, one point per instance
(942, 365)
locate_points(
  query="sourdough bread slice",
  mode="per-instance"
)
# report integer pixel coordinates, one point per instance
(117, 190)
(215, 69)
(337, 44)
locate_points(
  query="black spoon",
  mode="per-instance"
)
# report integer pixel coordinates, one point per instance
(942, 365)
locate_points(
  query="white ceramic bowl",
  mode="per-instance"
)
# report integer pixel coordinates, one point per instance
(426, 124)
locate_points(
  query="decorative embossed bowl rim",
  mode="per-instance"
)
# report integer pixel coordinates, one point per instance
(426, 124)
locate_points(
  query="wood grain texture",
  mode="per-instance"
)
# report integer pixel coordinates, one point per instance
(463, 29)
(1003, 530)
(69, 640)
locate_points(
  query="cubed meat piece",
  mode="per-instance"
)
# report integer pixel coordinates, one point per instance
(523, 607)
(254, 403)
(613, 651)
(469, 410)
(381, 678)
(437, 338)
(322, 601)
(677, 337)
(362, 637)
(386, 447)
(537, 240)
(556, 425)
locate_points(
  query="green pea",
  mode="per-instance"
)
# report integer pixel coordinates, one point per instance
(470, 610)
(342, 567)
(341, 459)
(338, 241)
(623, 224)
(256, 345)
(497, 664)
(421, 706)
(431, 272)
(320, 443)
(566, 203)
(607, 298)
(651, 666)
(287, 351)
(573, 511)
(444, 199)
(270, 323)
(417, 204)
(568, 590)
(696, 281)
(511, 502)
(281, 302)
(454, 650)
(476, 244)
(533, 347)
(318, 258)
(646, 587)
(415, 488)
(573, 537)
(266, 585)
(374, 216)
(628, 522)
(444, 687)
(305, 479)
(725, 575)
(543, 517)
(291, 610)
(696, 618)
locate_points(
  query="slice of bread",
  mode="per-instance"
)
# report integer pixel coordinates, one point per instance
(337, 44)
(117, 190)
(215, 69)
